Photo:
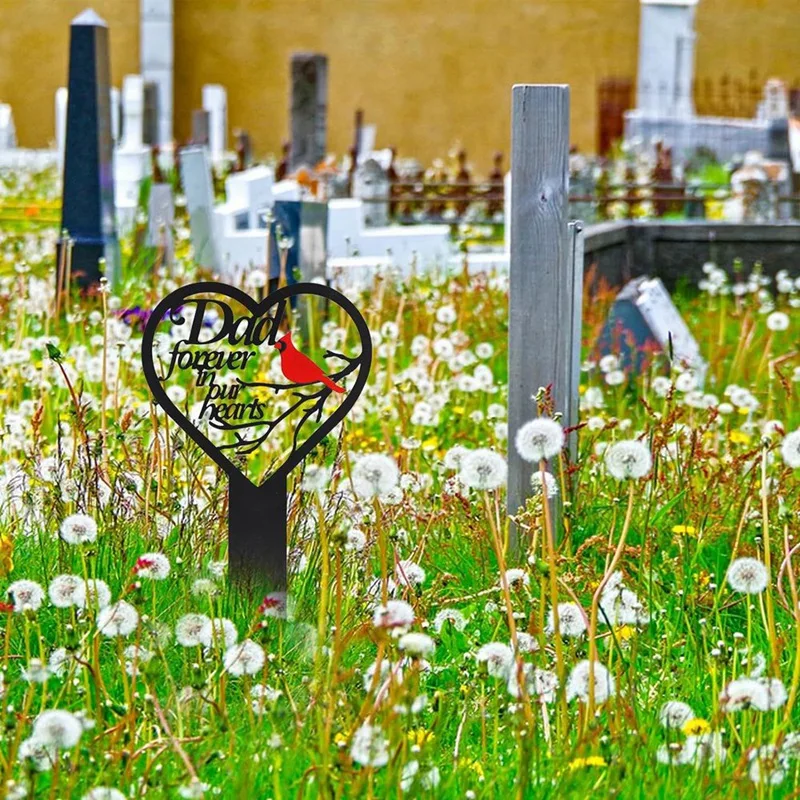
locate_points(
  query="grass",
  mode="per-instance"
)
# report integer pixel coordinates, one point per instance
(441, 725)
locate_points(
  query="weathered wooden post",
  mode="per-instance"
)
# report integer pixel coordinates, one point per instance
(545, 289)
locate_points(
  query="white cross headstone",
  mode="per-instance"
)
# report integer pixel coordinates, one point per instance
(115, 107)
(215, 101)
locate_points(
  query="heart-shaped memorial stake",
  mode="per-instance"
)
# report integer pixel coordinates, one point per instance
(259, 402)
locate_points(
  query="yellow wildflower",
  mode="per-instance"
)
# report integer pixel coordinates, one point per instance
(688, 529)
(626, 632)
(589, 761)
(431, 443)
(6, 551)
(743, 410)
(696, 727)
(340, 740)
(420, 736)
(739, 437)
(458, 409)
(469, 763)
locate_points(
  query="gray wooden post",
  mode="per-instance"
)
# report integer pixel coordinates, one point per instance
(542, 290)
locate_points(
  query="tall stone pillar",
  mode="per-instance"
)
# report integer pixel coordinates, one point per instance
(156, 56)
(87, 207)
(309, 109)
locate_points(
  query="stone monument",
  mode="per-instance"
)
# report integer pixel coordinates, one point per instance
(309, 109)
(87, 208)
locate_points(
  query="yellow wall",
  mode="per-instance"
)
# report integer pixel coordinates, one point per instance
(427, 72)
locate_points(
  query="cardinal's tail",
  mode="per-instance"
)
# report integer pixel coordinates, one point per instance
(331, 385)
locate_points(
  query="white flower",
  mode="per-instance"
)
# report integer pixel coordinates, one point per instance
(62, 590)
(675, 714)
(315, 478)
(193, 630)
(58, 660)
(778, 321)
(103, 793)
(526, 643)
(747, 575)
(27, 595)
(571, 621)
(155, 566)
(549, 481)
(395, 614)
(120, 619)
(41, 755)
(60, 730)
(418, 645)
(370, 747)
(92, 592)
(223, 632)
(686, 382)
(578, 682)
(775, 694)
(539, 682)
(628, 459)
(355, 541)
(449, 616)
(539, 440)
(743, 693)
(707, 747)
(483, 469)
(790, 449)
(245, 658)
(767, 765)
(375, 475)
(78, 529)
(454, 456)
(409, 573)
(517, 578)
(498, 657)
(194, 790)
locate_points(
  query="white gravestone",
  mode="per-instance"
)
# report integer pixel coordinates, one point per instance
(666, 57)
(215, 101)
(371, 185)
(62, 96)
(8, 134)
(160, 219)
(132, 161)
(115, 106)
(156, 58)
(199, 190)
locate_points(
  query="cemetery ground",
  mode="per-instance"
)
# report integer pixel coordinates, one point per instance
(648, 644)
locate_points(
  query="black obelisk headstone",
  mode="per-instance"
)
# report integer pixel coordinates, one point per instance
(309, 109)
(87, 211)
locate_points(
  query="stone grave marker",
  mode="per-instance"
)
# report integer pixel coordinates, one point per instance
(644, 319)
(156, 58)
(61, 99)
(150, 117)
(87, 208)
(8, 134)
(308, 109)
(132, 160)
(215, 101)
(201, 123)
(198, 188)
(371, 185)
(116, 111)
(160, 219)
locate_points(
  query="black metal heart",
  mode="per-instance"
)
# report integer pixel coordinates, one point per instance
(257, 309)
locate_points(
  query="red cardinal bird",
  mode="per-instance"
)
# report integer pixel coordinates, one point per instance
(299, 368)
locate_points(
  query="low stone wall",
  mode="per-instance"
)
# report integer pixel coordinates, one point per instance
(676, 251)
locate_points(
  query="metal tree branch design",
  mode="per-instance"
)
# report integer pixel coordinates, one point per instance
(312, 403)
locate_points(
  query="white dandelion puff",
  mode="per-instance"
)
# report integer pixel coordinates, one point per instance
(747, 575)
(26, 595)
(539, 439)
(375, 475)
(571, 620)
(78, 529)
(628, 459)
(578, 682)
(154, 566)
(790, 449)
(62, 589)
(370, 747)
(60, 730)
(483, 469)
(245, 658)
(675, 714)
(120, 619)
(498, 657)
(193, 630)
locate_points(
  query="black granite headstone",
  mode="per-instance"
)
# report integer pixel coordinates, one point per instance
(309, 109)
(87, 210)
